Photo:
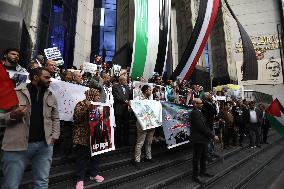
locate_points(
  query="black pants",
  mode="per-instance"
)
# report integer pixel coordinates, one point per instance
(122, 129)
(264, 134)
(230, 136)
(199, 158)
(66, 132)
(242, 131)
(83, 157)
(254, 134)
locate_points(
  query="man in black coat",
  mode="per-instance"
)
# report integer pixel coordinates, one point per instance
(122, 96)
(209, 111)
(253, 117)
(200, 136)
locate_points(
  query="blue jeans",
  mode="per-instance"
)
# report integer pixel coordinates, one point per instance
(14, 164)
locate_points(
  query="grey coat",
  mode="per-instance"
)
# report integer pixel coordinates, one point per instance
(16, 135)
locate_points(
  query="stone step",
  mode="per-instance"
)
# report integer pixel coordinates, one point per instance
(221, 168)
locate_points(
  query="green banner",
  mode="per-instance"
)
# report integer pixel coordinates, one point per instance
(141, 38)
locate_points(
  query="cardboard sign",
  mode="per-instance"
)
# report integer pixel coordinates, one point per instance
(54, 54)
(90, 67)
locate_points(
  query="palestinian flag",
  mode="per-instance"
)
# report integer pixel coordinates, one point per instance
(276, 116)
(151, 36)
(8, 97)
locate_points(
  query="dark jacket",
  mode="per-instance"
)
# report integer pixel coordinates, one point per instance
(200, 132)
(209, 111)
(238, 113)
(247, 116)
(265, 122)
(119, 97)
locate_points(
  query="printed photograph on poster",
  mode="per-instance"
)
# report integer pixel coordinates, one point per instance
(148, 113)
(101, 132)
(116, 69)
(175, 124)
(18, 77)
(269, 72)
(137, 93)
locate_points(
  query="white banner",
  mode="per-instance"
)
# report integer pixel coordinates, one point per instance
(269, 72)
(67, 95)
(148, 113)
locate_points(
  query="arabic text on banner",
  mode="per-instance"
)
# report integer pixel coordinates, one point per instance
(175, 124)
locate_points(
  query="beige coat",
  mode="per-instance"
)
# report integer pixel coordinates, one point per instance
(17, 132)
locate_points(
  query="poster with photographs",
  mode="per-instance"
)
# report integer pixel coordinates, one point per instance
(176, 126)
(18, 77)
(101, 131)
(269, 72)
(137, 93)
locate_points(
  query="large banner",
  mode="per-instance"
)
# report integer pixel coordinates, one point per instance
(101, 131)
(67, 96)
(269, 72)
(148, 113)
(175, 124)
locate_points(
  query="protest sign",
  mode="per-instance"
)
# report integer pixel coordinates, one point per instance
(148, 113)
(90, 67)
(18, 77)
(175, 124)
(67, 96)
(54, 54)
(116, 70)
(101, 131)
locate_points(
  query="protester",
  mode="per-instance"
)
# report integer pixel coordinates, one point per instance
(67, 76)
(10, 60)
(209, 111)
(265, 124)
(53, 69)
(31, 130)
(122, 96)
(103, 85)
(253, 120)
(229, 130)
(143, 134)
(200, 137)
(239, 120)
(77, 77)
(81, 137)
(170, 91)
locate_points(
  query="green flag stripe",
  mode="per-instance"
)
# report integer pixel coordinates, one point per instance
(276, 125)
(141, 38)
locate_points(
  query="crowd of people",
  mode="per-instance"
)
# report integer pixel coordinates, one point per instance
(33, 127)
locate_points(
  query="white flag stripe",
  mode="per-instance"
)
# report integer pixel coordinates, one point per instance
(153, 38)
(200, 38)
